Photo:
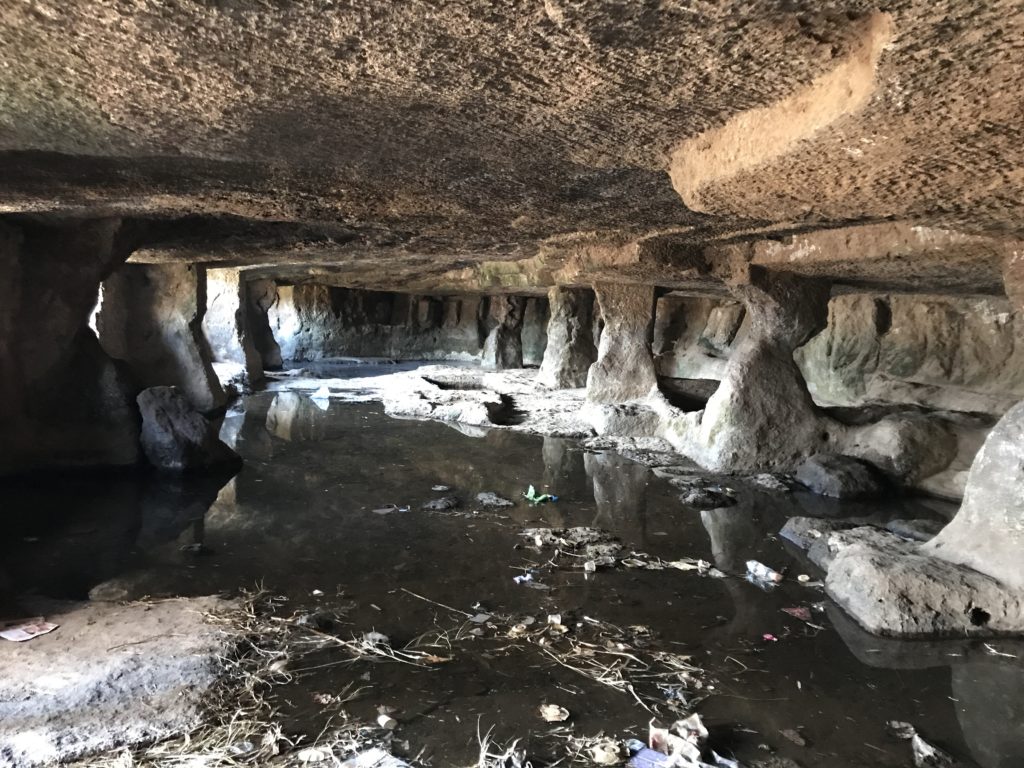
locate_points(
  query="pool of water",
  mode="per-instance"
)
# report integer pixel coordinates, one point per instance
(300, 518)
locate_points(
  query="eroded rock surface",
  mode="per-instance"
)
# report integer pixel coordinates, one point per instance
(570, 344)
(176, 437)
(625, 368)
(987, 533)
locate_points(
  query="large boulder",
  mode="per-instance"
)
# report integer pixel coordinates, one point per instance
(891, 587)
(841, 477)
(987, 533)
(176, 437)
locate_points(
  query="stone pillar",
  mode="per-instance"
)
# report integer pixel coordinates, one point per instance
(226, 323)
(570, 351)
(504, 345)
(262, 297)
(535, 330)
(63, 402)
(151, 318)
(625, 368)
(762, 416)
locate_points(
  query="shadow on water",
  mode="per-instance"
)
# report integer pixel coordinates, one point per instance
(300, 517)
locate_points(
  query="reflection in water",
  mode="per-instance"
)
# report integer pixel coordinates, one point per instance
(300, 517)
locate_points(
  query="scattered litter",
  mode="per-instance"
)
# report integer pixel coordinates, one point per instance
(794, 736)
(993, 652)
(553, 713)
(480, 618)
(387, 722)
(768, 637)
(318, 593)
(762, 572)
(491, 499)
(803, 578)
(533, 497)
(523, 578)
(441, 488)
(311, 755)
(278, 666)
(26, 629)
(681, 742)
(703, 493)
(389, 509)
(925, 754)
(799, 612)
(374, 758)
(441, 505)
(605, 752)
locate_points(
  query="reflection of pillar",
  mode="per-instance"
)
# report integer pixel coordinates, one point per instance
(503, 347)
(625, 368)
(295, 417)
(733, 534)
(620, 490)
(570, 347)
(563, 467)
(762, 416)
(151, 319)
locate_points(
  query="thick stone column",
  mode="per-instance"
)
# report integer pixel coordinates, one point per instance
(571, 350)
(151, 318)
(262, 297)
(504, 345)
(762, 416)
(63, 402)
(625, 367)
(226, 323)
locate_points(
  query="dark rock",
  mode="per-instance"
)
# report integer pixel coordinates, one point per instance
(703, 493)
(442, 504)
(841, 477)
(176, 437)
(918, 530)
(491, 499)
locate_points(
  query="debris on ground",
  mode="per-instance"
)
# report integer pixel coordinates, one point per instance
(553, 713)
(794, 736)
(375, 758)
(533, 497)
(761, 575)
(703, 493)
(925, 755)
(770, 482)
(440, 488)
(389, 509)
(491, 499)
(799, 612)
(25, 629)
(593, 548)
(442, 504)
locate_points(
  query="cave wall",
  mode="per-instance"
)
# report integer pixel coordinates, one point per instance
(955, 353)
(944, 352)
(312, 321)
(63, 401)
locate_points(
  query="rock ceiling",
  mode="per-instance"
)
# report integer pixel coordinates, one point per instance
(408, 142)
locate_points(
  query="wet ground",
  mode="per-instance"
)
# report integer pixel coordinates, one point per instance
(300, 520)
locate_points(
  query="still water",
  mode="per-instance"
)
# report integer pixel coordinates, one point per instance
(300, 517)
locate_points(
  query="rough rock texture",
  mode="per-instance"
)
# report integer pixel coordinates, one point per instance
(503, 347)
(939, 351)
(891, 587)
(535, 330)
(110, 676)
(762, 417)
(987, 533)
(63, 401)
(226, 323)
(841, 477)
(151, 318)
(570, 343)
(175, 436)
(694, 336)
(624, 369)
(313, 321)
